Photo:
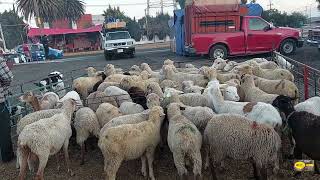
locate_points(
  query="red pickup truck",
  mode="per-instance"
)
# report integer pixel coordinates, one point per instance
(237, 35)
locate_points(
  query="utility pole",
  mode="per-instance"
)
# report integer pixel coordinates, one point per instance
(161, 4)
(270, 5)
(310, 15)
(145, 11)
(2, 39)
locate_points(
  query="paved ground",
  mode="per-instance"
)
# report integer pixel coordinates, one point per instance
(163, 165)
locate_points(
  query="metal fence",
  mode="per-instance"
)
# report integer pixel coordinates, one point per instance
(306, 77)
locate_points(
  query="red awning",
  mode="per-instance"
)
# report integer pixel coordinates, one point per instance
(39, 32)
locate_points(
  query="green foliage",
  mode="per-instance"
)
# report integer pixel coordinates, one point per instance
(50, 10)
(182, 3)
(157, 25)
(14, 35)
(278, 18)
(132, 25)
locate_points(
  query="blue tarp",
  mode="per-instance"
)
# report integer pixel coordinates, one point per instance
(254, 9)
(179, 31)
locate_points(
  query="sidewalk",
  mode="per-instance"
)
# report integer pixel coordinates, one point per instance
(138, 47)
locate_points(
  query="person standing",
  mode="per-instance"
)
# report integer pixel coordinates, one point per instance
(45, 43)
(5, 126)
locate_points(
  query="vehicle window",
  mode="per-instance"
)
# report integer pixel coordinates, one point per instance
(257, 24)
(117, 35)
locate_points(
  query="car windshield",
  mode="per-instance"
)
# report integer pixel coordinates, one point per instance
(36, 48)
(117, 35)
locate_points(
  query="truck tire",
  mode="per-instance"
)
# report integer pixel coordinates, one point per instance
(218, 51)
(107, 56)
(288, 47)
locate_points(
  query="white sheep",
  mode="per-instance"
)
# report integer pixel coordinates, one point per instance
(280, 87)
(84, 85)
(46, 137)
(154, 87)
(311, 105)
(119, 94)
(253, 93)
(237, 137)
(219, 64)
(260, 112)
(198, 79)
(31, 118)
(72, 95)
(184, 141)
(273, 74)
(48, 101)
(229, 90)
(189, 99)
(132, 141)
(103, 86)
(96, 98)
(85, 123)
(189, 87)
(153, 100)
(130, 108)
(91, 71)
(146, 67)
(111, 70)
(135, 70)
(106, 112)
(283, 63)
(170, 84)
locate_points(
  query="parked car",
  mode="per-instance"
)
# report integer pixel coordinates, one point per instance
(15, 57)
(38, 54)
(220, 32)
(36, 50)
(55, 53)
(314, 37)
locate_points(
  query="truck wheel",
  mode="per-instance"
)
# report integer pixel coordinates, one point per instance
(218, 51)
(107, 56)
(132, 54)
(288, 47)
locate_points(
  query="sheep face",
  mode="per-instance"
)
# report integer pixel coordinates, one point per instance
(284, 104)
(229, 66)
(170, 91)
(168, 62)
(27, 97)
(109, 70)
(153, 100)
(285, 74)
(145, 75)
(219, 64)
(91, 71)
(135, 68)
(247, 80)
(230, 94)
(125, 83)
(145, 66)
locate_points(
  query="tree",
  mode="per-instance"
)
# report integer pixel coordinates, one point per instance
(14, 29)
(132, 25)
(50, 10)
(318, 3)
(278, 18)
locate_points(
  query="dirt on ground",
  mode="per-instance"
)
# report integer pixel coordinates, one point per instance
(164, 168)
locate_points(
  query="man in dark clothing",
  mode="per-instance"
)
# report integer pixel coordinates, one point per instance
(5, 127)
(45, 42)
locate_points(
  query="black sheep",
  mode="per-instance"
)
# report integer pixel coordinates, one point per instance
(138, 96)
(305, 129)
(95, 87)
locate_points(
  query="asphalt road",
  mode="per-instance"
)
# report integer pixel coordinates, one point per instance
(155, 57)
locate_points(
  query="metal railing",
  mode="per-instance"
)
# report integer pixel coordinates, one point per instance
(306, 77)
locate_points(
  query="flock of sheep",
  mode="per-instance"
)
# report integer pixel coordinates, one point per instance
(205, 115)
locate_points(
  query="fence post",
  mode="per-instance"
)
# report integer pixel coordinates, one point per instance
(306, 82)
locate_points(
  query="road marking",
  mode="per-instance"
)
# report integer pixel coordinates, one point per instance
(81, 58)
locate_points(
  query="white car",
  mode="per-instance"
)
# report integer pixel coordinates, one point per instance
(118, 42)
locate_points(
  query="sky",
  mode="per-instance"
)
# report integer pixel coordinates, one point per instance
(137, 9)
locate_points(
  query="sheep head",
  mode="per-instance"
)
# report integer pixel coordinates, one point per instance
(91, 71)
(126, 83)
(145, 67)
(109, 70)
(284, 74)
(27, 97)
(168, 71)
(153, 100)
(157, 114)
(219, 64)
(145, 75)
(135, 68)
(247, 81)
(168, 62)
(174, 109)
(230, 93)
(229, 66)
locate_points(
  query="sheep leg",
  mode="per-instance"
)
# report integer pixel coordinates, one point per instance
(150, 158)
(112, 166)
(18, 160)
(66, 156)
(197, 163)
(178, 158)
(24, 154)
(259, 172)
(206, 156)
(43, 159)
(31, 161)
(143, 165)
(58, 161)
(82, 153)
